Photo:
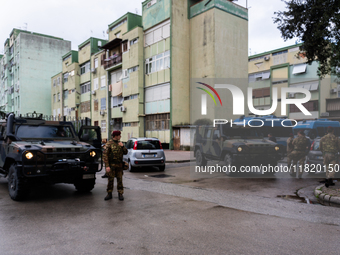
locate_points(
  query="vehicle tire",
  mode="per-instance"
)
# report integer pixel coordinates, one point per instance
(228, 161)
(200, 160)
(131, 168)
(85, 185)
(161, 168)
(17, 188)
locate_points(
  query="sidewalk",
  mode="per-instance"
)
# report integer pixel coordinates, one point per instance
(176, 156)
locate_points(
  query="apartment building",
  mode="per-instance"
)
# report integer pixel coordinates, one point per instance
(29, 61)
(140, 79)
(72, 87)
(282, 68)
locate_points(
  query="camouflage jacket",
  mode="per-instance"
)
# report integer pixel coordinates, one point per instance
(300, 143)
(113, 154)
(330, 143)
(290, 146)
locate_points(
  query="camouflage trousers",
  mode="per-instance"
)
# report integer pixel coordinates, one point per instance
(330, 158)
(118, 173)
(296, 157)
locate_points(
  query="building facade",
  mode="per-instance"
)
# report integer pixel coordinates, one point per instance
(286, 67)
(139, 81)
(29, 61)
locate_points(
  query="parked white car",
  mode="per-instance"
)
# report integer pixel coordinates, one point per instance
(144, 152)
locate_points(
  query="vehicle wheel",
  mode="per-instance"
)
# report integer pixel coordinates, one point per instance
(85, 185)
(131, 168)
(228, 161)
(161, 168)
(17, 187)
(200, 160)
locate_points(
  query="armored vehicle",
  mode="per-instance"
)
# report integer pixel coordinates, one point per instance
(35, 151)
(234, 145)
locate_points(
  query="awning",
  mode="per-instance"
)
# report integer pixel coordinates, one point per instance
(301, 68)
(117, 89)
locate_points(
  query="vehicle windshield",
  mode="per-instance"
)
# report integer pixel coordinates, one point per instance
(44, 132)
(148, 145)
(305, 130)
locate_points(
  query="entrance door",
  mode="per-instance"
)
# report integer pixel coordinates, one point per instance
(177, 139)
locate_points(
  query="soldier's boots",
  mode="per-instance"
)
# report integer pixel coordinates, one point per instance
(108, 196)
(120, 197)
(329, 182)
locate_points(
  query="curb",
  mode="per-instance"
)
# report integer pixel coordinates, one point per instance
(319, 194)
(178, 161)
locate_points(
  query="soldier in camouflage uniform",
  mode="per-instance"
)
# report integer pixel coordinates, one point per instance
(113, 159)
(290, 148)
(298, 154)
(330, 146)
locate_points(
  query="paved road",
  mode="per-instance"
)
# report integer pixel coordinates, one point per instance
(159, 217)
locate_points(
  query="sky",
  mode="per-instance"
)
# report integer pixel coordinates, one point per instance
(76, 20)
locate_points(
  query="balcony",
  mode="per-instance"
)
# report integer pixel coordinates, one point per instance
(113, 61)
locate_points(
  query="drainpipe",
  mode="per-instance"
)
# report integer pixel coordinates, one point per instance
(171, 144)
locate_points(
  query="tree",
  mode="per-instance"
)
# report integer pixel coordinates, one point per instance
(317, 24)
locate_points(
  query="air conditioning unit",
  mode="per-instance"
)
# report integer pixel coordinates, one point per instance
(266, 58)
(102, 112)
(324, 114)
(333, 91)
(123, 109)
(93, 70)
(93, 92)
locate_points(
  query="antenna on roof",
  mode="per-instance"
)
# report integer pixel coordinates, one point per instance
(136, 11)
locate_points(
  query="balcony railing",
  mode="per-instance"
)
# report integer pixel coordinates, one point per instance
(112, 61)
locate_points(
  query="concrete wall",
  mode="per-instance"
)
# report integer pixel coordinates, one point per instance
(180, 63)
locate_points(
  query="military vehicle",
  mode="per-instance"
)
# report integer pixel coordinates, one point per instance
(35, 151)
(235, 146)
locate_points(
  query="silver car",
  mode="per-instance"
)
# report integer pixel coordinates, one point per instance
(144, 152)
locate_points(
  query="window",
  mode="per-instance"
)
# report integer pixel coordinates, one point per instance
(157, 62)
(103, 125)
(96, 123)
(117, 35)
(85, 106)
(117, 101)
(95, 84)
(95, 62)
(117, 25)
(58, 81)
(280, 52)
(259, 76)
(103, 81)
(103, 103)
(133, 69)
(65, 77)
(85, 88)
(310, 106)
(134, 41)
(264, 92)
(125, 46)
(65, 94)
(85, 68)
(54, 82)
(157, 121)
(54, 98)
(131, 97)
(66, 58)
(95, 105)
(157, 34)
(58, 97)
